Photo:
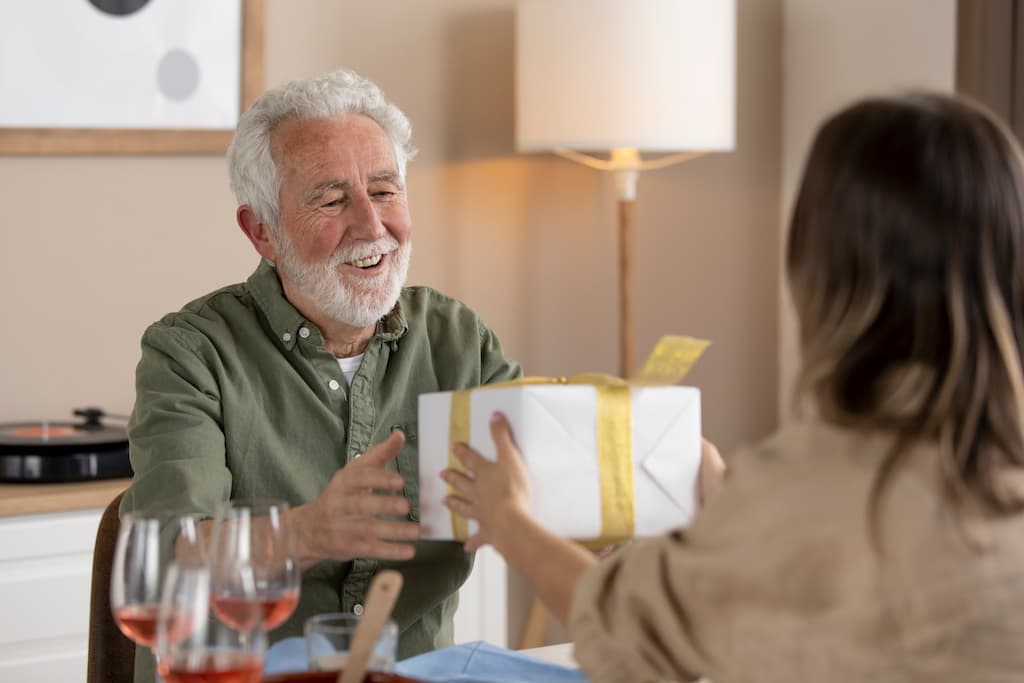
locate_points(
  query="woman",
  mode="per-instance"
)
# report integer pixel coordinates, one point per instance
(880, 537)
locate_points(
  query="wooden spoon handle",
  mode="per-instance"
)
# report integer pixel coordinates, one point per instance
(380, 600)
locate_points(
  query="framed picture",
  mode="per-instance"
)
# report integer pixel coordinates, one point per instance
(93, 77)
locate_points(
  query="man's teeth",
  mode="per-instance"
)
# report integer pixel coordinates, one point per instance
(368, 262)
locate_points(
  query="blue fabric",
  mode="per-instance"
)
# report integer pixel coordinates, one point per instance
(287, 654)
(476, 662)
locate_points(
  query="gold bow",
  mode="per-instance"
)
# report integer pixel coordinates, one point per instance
(666, 365)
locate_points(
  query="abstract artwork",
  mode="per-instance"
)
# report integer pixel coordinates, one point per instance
(126, 76)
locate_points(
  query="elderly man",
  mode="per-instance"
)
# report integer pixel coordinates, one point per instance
(301, 383)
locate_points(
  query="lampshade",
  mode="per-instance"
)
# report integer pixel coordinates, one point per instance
(654, 75)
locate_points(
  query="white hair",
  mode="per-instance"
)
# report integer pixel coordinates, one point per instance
(254, 175)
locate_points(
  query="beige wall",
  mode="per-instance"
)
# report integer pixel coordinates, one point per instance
(834, 53)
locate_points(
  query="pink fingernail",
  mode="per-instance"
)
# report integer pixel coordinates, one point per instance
(497, 415)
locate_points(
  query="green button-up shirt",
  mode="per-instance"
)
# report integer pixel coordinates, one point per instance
(237, 397)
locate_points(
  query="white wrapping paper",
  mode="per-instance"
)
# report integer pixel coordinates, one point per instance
(555, 427)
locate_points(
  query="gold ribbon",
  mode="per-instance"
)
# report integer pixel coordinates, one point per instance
(667, 364)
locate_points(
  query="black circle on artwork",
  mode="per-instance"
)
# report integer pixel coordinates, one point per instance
(119, 8)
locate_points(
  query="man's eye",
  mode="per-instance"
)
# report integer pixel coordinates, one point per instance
(334, 202)
(384, 194)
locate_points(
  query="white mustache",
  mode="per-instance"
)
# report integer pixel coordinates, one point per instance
(358, 252)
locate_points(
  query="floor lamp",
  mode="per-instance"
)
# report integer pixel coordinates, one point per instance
(624, 78)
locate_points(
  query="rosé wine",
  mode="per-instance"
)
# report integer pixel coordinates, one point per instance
(138, 622)
(243, 612)
(213, 667)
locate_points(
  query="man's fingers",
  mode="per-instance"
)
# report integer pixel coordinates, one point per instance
(392, 551)
(361, 478)
(383, 550)
(372, 505)
(385, 530)
(385, 450)
(368, 536)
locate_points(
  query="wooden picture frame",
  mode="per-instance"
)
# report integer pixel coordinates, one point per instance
(136, 141)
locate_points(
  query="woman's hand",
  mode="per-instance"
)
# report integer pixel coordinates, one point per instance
(712, 472)
(495, 494)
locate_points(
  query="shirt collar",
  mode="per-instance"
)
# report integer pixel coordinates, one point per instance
(393, 326)
(286, 320)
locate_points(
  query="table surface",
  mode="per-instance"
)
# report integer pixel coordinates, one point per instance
(562, 654)
(35, 499)
(555, 654)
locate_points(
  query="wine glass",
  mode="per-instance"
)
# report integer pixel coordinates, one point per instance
(254, 569)
(192, 644)
(146, 543)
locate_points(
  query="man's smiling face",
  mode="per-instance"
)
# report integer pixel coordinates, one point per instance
(345, 230)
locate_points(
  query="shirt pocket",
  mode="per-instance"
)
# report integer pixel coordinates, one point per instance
(408, 467)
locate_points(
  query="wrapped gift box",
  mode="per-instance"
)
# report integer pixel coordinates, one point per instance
(556, 428)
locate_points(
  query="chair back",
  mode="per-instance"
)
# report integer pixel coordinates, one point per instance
(111, 653)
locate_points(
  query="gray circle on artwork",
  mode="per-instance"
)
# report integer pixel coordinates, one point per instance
(177, 76)
(119, 8)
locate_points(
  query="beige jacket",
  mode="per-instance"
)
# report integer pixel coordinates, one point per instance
(777, 580)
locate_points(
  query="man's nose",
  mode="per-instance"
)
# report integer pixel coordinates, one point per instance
(364, 220)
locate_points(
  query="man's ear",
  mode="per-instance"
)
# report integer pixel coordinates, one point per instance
(257, 232)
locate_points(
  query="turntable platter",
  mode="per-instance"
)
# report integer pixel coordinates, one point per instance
(63, 451)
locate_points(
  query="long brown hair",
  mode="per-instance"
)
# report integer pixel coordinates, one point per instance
(904, 262)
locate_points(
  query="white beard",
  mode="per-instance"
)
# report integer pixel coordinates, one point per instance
(353, 301)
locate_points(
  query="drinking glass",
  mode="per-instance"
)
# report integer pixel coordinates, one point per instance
(192, 644)
(254, 569)
(146, 543)
(329, 639)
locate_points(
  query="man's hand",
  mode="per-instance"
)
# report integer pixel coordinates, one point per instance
(344, 521)
(495, 494)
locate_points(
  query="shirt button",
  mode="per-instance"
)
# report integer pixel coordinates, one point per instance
(287, 336)
(304, 332)
(357, 610)
(333, 384)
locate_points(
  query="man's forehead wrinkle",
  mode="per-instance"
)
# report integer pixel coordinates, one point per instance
(319, 156)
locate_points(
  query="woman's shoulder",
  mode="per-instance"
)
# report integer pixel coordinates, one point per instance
(807, 478)
(813, 449)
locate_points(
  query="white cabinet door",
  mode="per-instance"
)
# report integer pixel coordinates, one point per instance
(45, 574)
(483, 608)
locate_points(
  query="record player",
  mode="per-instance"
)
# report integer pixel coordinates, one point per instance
(51, 452)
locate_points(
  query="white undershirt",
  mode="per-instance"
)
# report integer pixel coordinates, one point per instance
(349, 366)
